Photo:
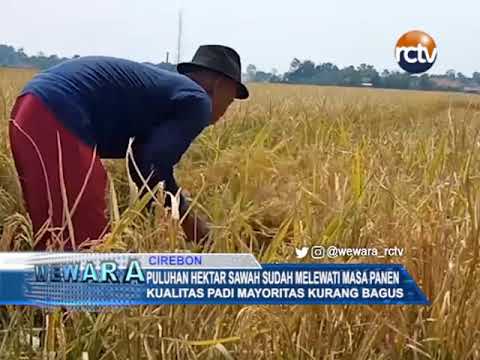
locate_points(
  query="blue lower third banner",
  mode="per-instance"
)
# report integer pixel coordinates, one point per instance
(104, 280)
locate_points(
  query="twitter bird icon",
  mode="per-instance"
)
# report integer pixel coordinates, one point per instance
(301, 253)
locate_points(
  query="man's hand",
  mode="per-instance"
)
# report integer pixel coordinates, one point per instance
(195, 228)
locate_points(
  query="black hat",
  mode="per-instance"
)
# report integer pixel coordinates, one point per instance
(218, 58)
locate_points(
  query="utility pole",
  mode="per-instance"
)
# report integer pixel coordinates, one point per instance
(179, 39)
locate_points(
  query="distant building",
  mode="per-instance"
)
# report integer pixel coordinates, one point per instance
(472, 89)
(447, 84)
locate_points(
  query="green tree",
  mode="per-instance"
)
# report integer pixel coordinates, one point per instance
(251, 72)
(476, 77)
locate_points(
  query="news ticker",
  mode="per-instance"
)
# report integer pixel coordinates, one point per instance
(86, 280)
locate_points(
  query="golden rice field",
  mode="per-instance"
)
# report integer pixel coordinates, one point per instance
(295, 165)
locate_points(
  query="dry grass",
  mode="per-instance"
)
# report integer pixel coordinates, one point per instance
(295, 165)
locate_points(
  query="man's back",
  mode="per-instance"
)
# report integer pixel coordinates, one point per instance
(106, 100)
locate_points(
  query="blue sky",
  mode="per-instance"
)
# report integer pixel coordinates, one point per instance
(266, 33)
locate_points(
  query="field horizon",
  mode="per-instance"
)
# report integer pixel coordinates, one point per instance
(294, 166)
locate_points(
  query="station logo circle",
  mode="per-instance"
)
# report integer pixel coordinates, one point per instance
(416, 52)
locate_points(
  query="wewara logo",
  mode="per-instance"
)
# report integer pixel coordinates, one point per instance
(416, 52)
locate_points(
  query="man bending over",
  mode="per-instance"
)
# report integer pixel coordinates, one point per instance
(72, 115)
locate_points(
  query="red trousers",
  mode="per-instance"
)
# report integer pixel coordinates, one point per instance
(62, 179)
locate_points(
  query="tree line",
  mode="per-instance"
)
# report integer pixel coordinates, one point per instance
(300, 72)
(307, 72)
(11, 57)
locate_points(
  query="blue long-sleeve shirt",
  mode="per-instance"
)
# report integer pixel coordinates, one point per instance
(106, 101)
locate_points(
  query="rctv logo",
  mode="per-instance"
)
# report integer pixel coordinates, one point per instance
(416, 52)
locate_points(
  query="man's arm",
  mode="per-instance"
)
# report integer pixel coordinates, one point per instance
(151, 174)
(156, 153)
